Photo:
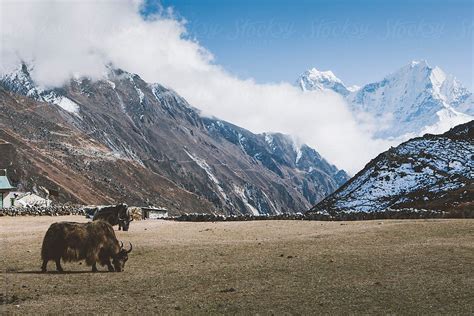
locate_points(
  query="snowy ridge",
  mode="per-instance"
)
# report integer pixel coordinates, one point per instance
(419, 171)
(20, 81)
(63, 102)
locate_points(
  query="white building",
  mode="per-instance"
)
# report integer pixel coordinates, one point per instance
(7, 197)
(11, 198)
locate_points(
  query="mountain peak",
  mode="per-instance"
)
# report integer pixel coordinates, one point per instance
(322, 75)
(421, 70)
(419, 63)
(314, 79)
(414, 99)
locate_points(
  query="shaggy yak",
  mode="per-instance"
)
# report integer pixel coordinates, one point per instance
(93, 242)
(115, 215)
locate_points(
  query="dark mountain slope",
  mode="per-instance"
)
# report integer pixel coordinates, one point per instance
(125, 139)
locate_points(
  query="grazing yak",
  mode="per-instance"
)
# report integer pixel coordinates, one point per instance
(94, 242)
(115, 214)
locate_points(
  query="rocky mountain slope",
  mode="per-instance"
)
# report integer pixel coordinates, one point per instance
(122, 139)
(414, 100)
(430, 172)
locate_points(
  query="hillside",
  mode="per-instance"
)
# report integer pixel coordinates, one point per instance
(430, 172)
(122, 139)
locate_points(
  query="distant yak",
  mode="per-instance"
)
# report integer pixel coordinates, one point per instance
(114, 215)
(94, 242)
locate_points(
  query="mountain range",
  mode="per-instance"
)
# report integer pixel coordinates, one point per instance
(123, 139)
(414, 100)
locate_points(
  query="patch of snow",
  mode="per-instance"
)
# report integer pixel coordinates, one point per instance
(63, 102)
(270, 141)
(299, 154)
(140, 93)
(241, 193)
(205, 166)
(297, 146)
(447, 118)
(271, 203)
(111, 83)
(242, 141)
(353, 88)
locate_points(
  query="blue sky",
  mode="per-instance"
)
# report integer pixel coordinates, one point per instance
(360, 41)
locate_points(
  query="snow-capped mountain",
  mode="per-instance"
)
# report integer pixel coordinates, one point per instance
(414, 100)
(123, 139)
(314, 79)
(430, 172)
(20, 81)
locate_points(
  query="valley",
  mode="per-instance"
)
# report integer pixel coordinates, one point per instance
(264, 267)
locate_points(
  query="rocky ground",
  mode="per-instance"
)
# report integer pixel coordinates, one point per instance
(258, 267)
(54, 210)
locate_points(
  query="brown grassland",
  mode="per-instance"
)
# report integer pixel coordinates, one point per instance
(260, 267)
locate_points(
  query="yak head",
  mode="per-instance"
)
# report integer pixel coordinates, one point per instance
(120, 258)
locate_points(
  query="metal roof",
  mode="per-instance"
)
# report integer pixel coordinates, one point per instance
(152, 208)
(5, 183)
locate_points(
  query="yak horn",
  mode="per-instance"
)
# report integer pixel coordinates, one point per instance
(121, 245)
(130, 250)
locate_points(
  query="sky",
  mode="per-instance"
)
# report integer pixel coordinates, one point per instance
(238, 61)
(360, 41)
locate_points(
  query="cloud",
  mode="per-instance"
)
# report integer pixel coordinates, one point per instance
(65, 39)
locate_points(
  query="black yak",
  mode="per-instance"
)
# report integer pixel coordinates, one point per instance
(94, 242)
(114, 214)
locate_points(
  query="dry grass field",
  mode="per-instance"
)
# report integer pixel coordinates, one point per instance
(261, 267)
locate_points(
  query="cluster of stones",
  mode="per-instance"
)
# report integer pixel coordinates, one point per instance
(197, 217)
(404, 213)
(54, 210)
(407, 213)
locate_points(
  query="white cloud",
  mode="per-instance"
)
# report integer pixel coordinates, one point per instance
(66, 39)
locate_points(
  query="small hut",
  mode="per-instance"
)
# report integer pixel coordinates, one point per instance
(154, 212)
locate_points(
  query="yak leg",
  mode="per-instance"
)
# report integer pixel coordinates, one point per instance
(58, 265)
(110, 267)
(104, 260)
(94, 267)
(43, 266)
